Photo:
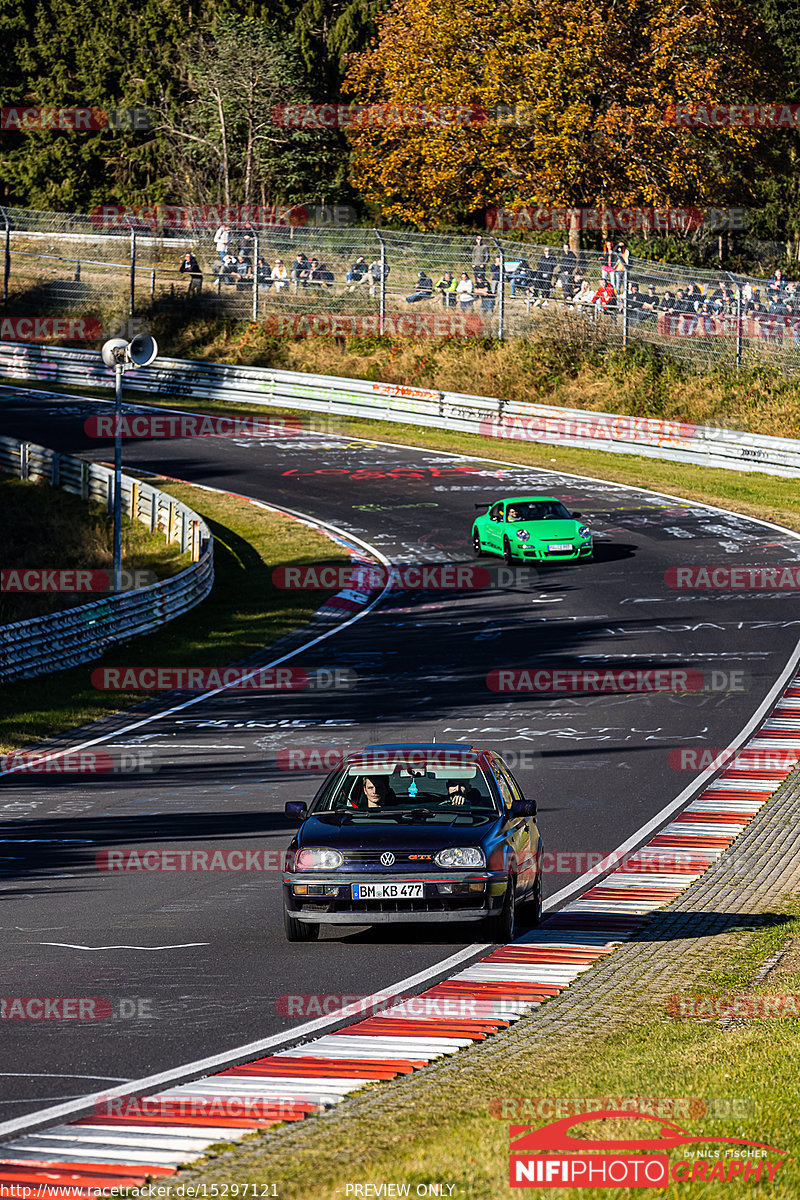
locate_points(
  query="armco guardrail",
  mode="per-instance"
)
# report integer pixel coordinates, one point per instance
(76, 635)
(682, 442)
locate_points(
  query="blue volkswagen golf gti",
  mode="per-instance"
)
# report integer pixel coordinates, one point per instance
(423, 833)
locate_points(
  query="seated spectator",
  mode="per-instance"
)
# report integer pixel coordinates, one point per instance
(687, 314)
(605, 298)
(191, 267)
(583, 294)
(522, 278)
(301, 269)
(464, 291)
(447, 286)
(319, 275)
(694, 295)
(279, 276)
(263, 274)
(650, 301)
(572, 286)
(357, 273)
(483, 289)
(228, 274)
(423, 289)
(244, 272)
(374, 274)
(750, 300)
(635, 300)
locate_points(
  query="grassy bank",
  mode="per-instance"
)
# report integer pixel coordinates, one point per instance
(46, 527)
(549, 370)
(452, 1130)
(244, 613)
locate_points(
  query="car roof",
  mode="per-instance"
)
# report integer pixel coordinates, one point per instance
(381, 751)
(526, 499)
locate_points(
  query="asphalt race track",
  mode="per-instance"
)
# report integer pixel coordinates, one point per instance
(198, 960)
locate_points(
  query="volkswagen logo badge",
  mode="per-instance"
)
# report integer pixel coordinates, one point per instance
(387, 859)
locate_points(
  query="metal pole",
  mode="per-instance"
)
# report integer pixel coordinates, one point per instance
(133, 271)
(382, 308)
(737, 284)
(117, 549)
(501, 292)
(625, 309)
(6, 259)
(255, 277)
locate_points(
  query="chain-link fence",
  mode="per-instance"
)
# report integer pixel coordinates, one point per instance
(298, 280)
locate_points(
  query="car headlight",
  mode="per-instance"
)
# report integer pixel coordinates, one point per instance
(583, 532)
(460, 856)
(523, 535)
(317, 860)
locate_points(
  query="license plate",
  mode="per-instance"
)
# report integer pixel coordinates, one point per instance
(560, 546)
(387, 891)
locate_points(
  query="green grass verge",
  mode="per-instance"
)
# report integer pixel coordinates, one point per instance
(445, 1130)
(46, 527)
(244, 613)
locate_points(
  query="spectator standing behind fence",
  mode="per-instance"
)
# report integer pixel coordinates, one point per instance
(522, 278)
(464, 291)
(480, 254)
(621, 260)
(608, 261)
(543, 279)
(497, 274)
(191, 267)
(423, 289)
(447, 286)
(567, 266)
(280, 276)
(222, 240)
(376, 270)
(247, 240)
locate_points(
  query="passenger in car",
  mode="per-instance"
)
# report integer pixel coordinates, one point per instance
(374, 792)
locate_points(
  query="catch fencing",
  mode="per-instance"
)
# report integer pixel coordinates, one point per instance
(701, 445)
(76, 635)
(127, 273)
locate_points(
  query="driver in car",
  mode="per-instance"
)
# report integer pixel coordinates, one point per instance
(374, 793)
(513, 515)
(457, 791)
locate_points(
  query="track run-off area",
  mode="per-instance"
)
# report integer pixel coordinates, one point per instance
(194, 963)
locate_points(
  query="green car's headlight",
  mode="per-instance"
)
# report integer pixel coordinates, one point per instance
(523, 535)
(317, 860)
(583, 532)
(460, 856)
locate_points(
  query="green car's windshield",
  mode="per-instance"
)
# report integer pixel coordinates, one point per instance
(536, 510)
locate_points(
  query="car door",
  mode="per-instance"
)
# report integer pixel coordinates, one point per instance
(495, 526)
(526, 838)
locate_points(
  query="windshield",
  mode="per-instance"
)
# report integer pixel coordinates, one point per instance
(537, 510)
(406, 787)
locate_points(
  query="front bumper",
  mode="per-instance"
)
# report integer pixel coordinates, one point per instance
(475, 895)
(542, 554)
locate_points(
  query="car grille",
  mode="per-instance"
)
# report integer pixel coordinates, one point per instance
(431, 905)
(372, 858)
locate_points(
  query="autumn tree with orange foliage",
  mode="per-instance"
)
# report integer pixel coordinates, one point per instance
(597, 78)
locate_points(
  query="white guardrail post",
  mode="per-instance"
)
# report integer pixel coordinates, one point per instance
(76, 635)
(701, 445)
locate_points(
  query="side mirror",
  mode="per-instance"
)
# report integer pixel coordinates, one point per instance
(296, 808)
(523, 808)
(577, 514)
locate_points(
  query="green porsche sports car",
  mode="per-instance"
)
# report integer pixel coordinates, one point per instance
(531, 528)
